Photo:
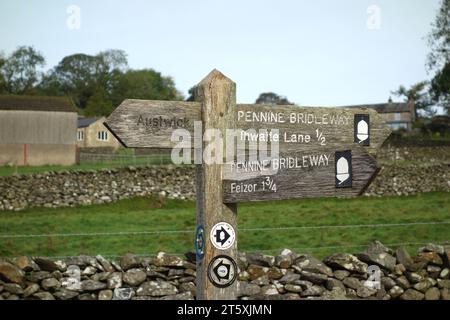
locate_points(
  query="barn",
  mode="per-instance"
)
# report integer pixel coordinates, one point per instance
(37, 130)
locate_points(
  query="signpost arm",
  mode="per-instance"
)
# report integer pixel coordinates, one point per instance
(217, 95)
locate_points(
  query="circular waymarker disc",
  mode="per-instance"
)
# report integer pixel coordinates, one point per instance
(222, 271)
(222, 235)
(200, 242)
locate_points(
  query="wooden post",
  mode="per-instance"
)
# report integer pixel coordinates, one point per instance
(217, 95)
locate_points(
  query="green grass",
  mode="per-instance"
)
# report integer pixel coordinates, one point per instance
(9, 171)
(143, 214)
(140, 161)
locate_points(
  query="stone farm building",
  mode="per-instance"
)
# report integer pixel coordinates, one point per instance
(92, 133)
(37, 130)
(397, 115)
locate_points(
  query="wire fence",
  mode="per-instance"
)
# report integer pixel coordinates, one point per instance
(262, 229)
(243, 230)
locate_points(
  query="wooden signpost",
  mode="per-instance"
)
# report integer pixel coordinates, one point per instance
(320, 152)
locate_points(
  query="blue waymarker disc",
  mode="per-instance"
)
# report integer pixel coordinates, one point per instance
(200, 242)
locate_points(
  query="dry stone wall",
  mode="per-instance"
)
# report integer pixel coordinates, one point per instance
(397, 180)
(288, 275)
(423, 154)
(72, 188)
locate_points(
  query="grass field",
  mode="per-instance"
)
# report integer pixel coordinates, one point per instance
(126, 161)
(147, 214)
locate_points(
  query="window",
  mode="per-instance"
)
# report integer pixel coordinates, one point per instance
(80, 135)
(397, 116)
(102, 135)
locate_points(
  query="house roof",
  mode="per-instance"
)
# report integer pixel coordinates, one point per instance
(391, 107)
(85, 122)
(36, 103)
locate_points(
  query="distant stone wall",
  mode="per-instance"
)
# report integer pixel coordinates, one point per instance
(423, 154)
(411, 170)
(57, 189)
(396, 180)
(288, 276)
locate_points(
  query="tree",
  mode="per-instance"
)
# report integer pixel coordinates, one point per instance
(2, 79)
(191, 93)
(75, 76)
(439, 57)
(97, 83)
(440, 87)
(144, 84)
(113, 60)
(272, 99)
(98, 104)
(19, 71)
(439, 38)
(112, 64)
(419, 94)
(80, 75)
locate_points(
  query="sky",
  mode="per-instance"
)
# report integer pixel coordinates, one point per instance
(316, 53)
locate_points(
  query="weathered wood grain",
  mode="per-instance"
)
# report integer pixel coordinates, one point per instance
(335, 134)
(217, 94)
(125, 125)
(310, 182)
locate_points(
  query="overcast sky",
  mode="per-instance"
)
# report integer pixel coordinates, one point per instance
(320, 52)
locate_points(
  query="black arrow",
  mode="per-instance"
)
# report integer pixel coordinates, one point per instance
(218, 237)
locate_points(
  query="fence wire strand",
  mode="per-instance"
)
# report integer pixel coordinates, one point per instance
(261, 229)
